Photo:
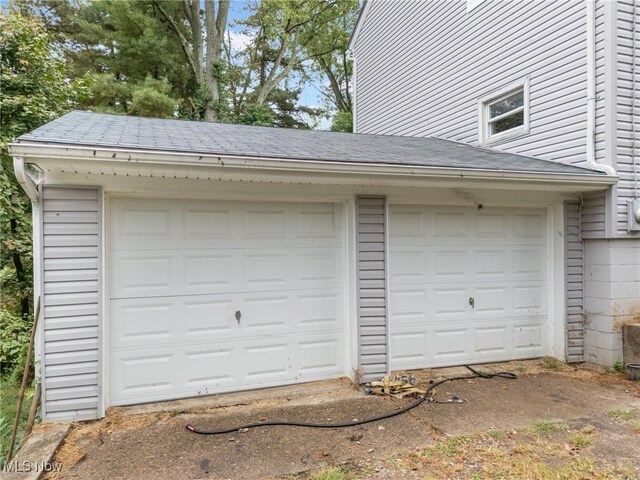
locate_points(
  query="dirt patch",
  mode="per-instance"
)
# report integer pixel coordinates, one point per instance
(84, 434)
(157, 445)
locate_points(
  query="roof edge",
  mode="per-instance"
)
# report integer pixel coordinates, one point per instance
(38, 151)
(356, 30)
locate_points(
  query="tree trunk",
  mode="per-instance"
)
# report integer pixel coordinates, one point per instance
(214, 28)
(21, 274)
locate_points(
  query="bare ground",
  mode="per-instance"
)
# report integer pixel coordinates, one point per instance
(554, 421)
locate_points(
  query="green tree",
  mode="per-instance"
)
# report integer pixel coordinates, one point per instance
(291, 42)
(342, 122)
(125, 49)
(34, 90)
(328, 49)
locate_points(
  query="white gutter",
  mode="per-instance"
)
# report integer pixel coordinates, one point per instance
(35, 151)
(591, 92)
(27, 184)
(30, 188)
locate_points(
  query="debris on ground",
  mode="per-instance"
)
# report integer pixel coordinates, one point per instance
(396, 386)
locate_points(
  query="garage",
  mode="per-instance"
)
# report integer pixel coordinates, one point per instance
(178, 259)
(212, 296)
(467, 285)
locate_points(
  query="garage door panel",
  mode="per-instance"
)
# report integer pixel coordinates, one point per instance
(407, 267)
(408, 304)
(182, 269)
(448, 302)
(156, 223)
(187, 370)
(193, 272)
(195, 319)
(144, 322)
(466, 285)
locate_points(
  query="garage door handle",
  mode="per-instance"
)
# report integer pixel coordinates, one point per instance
(472, 302)
(238, 315)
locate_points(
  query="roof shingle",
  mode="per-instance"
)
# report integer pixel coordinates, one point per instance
(116, 131)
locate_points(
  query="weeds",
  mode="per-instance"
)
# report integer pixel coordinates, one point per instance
(580, 440)
(550, 363)
(8, 403)
(625, 415)
(543, 427)
(330, 473)
(515, 457)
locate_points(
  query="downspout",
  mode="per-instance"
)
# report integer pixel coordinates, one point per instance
(633, 213)
(633, 103)
(591, 92)
(31, 189)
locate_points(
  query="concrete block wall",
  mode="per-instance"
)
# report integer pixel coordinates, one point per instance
(611, 296)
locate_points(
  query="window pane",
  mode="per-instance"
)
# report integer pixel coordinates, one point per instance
(507, 123)
(507, 104)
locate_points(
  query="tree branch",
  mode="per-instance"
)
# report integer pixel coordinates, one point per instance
(335, 85)
(184, 43)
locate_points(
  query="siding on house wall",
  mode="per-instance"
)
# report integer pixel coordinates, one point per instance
(601, 36)
(593, 215)
(372, 278)
(626, 188)
(71, 357)
(423, 66)
(611, 295)
(574, 255)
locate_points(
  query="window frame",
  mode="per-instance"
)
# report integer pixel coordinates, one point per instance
(484, 137)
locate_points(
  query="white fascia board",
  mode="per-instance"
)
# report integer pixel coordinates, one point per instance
(39, 153)
(356, 30)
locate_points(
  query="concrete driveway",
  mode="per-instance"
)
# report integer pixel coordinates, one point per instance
(151, 442)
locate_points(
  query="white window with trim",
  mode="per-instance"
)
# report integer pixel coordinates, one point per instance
(504, 113)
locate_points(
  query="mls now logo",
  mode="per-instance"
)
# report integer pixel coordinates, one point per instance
(29, 466)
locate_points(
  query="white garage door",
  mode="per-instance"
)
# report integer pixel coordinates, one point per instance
(209, 297)
(467, 285)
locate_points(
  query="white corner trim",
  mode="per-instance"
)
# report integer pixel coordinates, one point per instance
(556, 275)
(591, 92)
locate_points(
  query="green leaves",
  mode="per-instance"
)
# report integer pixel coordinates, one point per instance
(34, 90)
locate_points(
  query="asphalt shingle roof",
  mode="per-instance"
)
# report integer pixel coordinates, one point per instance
(116, 131)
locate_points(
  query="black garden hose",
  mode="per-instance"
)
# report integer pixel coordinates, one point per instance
(395, 413)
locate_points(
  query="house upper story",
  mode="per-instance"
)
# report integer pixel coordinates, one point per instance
(553, 80)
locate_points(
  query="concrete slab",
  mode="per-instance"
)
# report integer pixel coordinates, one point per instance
(35, 458)
(506, 404)
(304, 393)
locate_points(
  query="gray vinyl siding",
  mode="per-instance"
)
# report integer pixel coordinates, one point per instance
(574, 283)
(71, 358)
(593, 215)
(422, 67)
(600, 81)
(372, 299)
(624, 121)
